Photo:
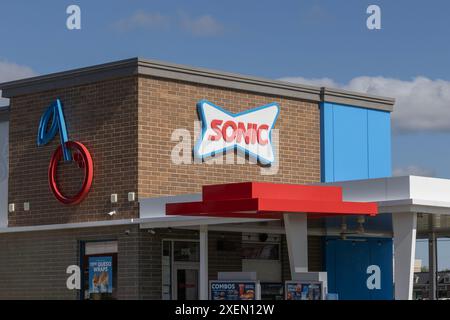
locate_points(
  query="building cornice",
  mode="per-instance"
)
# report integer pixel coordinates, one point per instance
(339, 96)
(153, 68)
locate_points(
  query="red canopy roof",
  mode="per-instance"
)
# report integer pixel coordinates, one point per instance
(270, 200)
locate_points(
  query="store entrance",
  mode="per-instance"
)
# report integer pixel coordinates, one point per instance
(180, 269)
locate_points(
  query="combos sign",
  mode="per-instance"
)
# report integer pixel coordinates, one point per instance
(248, 131)
(228, 290)
(68, 150)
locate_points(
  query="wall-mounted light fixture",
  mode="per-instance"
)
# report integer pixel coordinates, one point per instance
(131, 196)
(111, 213)
(113, 197)
(26, 206)
(12, 207)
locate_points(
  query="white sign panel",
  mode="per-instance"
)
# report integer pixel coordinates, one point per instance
(248, 131)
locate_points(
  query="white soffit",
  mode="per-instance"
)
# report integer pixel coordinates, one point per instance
(156, 207)
(410, 193)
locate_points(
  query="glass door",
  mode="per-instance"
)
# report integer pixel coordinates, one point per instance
(180, 269)
(185, 281)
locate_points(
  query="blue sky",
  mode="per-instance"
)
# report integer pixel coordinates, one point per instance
(310, 40)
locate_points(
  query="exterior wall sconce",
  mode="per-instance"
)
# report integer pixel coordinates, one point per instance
(12, 207)
(114, 198)
(131, 196)
(26, 206)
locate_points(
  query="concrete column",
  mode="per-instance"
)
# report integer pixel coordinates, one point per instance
(432, 263)
(404, 227)
(203, 276)
(296, 226)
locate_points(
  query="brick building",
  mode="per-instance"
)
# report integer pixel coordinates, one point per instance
(139, 121)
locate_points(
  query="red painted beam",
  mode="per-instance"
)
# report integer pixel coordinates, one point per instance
(248, 190)
(318, 206)
(270, 200)
(271, 205)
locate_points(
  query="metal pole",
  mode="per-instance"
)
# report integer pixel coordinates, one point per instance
(203, 281)
(432, 253)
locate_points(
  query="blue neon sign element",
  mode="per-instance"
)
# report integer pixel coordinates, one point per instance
(58, 123)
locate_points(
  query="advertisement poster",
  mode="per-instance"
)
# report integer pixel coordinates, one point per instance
(100, 275)
(223, 290)
(272, 291)
(303, 291)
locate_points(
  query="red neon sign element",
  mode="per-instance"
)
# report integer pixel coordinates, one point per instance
(84, 160)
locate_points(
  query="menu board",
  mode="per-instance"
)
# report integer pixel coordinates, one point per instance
(298, 290)
(272, 291)
(233, 290)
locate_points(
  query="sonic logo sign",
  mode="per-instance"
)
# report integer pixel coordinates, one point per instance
(68, 150)
(248, 131)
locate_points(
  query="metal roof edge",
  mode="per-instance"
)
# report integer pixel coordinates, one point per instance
(154, 68)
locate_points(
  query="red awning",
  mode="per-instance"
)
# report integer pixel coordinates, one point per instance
(270, 201)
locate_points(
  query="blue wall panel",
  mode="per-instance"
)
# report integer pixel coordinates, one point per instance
(379, 143)
(350, 143)
(347, 263)
(356, 144)
(381, 253)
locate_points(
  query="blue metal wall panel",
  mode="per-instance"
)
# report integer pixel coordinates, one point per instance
(356, 144)
(379, 143)
(347, 262)
(350, 143)
(381, 254)
(347, 273)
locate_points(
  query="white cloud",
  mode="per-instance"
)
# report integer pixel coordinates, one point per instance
(413, 170)
(201, 26)
(10, 71)
(204, 25)
(319, 82)
(142, 19)
(421, 104)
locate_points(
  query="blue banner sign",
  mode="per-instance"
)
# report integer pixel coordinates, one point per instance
(100, 275)
(230, 290)
(296, 290)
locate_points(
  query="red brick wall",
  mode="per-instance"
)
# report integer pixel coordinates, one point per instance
(127, 125)
(102, 116)
(33, 264)
(166, 105)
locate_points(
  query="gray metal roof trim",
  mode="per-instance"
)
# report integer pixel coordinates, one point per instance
(69, 78)
(204, 76)
(357, 99)
(214, 74)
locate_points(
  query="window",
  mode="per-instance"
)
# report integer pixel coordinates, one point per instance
(186, 251)
(166, 270)
(262, 251)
